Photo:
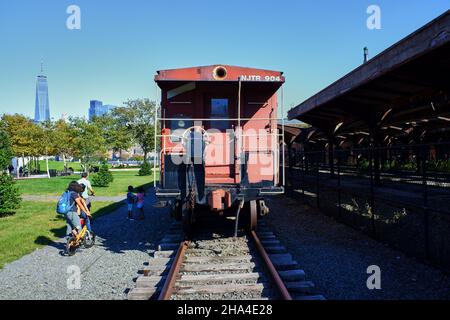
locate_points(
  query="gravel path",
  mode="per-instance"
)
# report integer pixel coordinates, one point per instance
(336, 257)
(107, 269)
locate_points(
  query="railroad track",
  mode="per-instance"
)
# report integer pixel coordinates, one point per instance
(214, 265)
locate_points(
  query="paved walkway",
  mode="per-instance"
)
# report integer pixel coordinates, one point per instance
(38, 176)
(107, 269)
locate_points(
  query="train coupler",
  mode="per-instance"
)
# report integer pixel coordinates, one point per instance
(263, 208)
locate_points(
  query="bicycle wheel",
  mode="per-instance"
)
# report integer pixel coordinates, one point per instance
(70, 247)
(89, 239)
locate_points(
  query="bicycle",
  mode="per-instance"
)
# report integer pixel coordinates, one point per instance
(84, 238)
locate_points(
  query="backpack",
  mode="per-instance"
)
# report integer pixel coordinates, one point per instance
(64, 206)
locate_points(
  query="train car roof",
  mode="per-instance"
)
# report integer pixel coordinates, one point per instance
(218, 72)
(405, 84)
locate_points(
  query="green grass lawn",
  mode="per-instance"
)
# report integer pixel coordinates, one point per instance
(35, 225)
(59, 165)
(56, 186)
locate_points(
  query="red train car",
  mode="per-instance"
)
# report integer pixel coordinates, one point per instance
(219, 140)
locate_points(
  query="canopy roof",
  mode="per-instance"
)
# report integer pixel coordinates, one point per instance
(404, 88)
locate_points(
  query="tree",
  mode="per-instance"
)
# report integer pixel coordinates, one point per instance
(21, 132)
(117, 135)
(45, 135)
(9, 193)
(32, 140)
(89, 143)
(63, 138)
(139, 116)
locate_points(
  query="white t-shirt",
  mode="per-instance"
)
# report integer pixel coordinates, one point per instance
(87, 183)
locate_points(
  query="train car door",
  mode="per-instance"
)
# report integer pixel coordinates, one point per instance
(219, 167)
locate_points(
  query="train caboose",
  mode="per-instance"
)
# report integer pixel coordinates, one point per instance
(219, 141)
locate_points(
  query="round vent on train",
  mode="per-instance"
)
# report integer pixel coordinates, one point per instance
(220, 73)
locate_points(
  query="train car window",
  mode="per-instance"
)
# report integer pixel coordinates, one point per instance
(219, 110)
(177, 128)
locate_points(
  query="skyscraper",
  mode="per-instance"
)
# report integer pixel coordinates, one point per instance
(42, 106)
(97, 109)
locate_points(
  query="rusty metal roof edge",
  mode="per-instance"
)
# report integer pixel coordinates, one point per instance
(439, 39)
(221, 81)
(218, 65)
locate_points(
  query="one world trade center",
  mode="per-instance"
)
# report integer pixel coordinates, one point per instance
(42, 107)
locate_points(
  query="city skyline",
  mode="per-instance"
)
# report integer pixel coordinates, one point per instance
(137, 42)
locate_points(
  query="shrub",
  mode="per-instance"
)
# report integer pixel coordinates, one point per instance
(9, 195)
(439, 166)
(363, 166)
(5, 150)
(146, 169)
(104, 177)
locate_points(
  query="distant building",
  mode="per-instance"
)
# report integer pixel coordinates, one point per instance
(97, 109)
(133, 153)
(42, 105)
(109, 107)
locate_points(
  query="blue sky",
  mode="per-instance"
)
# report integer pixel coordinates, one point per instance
(121, 44)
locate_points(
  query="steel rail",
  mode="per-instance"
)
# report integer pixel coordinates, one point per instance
(167, 289)
(277, 281)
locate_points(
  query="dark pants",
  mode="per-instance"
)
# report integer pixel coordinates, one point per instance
(87, 221)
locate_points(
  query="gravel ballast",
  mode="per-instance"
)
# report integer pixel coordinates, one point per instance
(336, 257)
(107, 269)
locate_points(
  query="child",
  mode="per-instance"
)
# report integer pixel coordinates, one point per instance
(84, 213)
(130, 201)
(140, 202)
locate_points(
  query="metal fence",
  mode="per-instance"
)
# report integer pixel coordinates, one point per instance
(399, 195)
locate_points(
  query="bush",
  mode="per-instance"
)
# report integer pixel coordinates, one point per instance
(94, 169)
(439, 166)
(146, 169)
(104, 177)
(5, 151)
(9, 195)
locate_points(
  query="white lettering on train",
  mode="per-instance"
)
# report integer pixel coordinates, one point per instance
(260, 78)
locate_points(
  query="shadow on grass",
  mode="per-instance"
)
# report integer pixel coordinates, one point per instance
(6, 214)
(146, 187)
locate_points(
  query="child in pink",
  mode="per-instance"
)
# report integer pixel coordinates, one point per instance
(140, 202)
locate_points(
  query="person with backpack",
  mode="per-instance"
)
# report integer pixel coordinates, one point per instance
(68, 206)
